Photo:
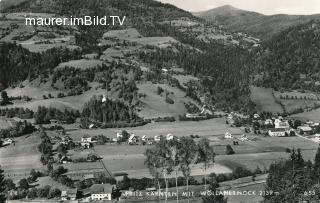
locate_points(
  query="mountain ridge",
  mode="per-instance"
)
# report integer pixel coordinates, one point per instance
(256, 24)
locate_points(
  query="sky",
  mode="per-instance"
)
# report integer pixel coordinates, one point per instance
(267, 7)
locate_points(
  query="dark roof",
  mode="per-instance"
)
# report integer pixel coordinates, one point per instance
(101, 188)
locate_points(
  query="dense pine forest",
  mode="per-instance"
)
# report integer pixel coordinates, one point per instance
(290, 60)
(18, 64)
(108, 111)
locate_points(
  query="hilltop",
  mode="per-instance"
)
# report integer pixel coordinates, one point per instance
(256, 24)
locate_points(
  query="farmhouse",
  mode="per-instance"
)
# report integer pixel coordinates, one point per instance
(64, 160)
(7, 141)
(277, 132)
(71, 194)
(66, 140)
(147, 140)
(305, 130)
(157, 138)
(169, 137)
(118, 137)
(86, 138)
(268, 122)
(86, 145)
(101, 192)
(228, 135)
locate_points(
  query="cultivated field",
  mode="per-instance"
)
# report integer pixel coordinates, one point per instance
(18, 160)
(296, 100)
(313, 115)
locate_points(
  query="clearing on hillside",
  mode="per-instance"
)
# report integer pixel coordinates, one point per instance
(264, 99)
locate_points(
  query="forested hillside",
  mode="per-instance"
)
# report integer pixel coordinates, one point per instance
(222, 65)
(290, 60)
(18, 64)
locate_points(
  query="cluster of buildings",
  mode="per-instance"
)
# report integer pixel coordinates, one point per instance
(135, 139)
(202, 114)
(280, 127)
(97, 192)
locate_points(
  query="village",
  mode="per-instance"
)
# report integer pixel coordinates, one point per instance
(82, 158)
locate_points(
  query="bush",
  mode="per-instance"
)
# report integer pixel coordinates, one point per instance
(229, 150)
(169, 100)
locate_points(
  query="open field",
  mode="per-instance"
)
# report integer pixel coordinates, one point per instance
(81, 64)
(212, 127)
(18, 160)
(154, 105)
(313, 115)
(130, 159)
(71, 102)
(296, 100)
(6, 123)
(264, 100)
(270, 149)
(132, 35)
(258, 151)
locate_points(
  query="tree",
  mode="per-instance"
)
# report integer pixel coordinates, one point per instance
(229, 150)
(32, 194)
(159, 158)
(187, 154)
(316, 168)
(206, 156)
(125, 135)
(62, 149)
(54, 192)
(173, 146)
(5, 98)
(153, 166)
(9, 184)
(2, 187)
(23, 184)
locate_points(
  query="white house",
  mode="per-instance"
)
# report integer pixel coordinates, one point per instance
(228, 135)
(305, 130)
(7, 141)
(281, 124)
(255, 116)
(86, 138)
(101, 192)
(169, 137)
(268, 122)
(277, 132)
(157, 138)
(147, 140)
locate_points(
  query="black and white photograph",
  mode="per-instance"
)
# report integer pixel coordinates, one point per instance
(159, 101)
